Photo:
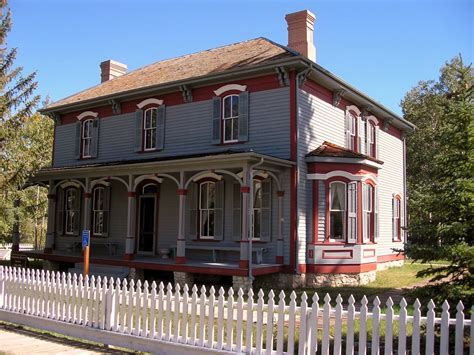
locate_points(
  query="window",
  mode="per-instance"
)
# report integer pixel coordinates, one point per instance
(149, 128)
(371, 139)
(337, 210)
(352, 212)
(71, 211)
(261, 209)
(396, 225)
(368, 212)
(230, 117)
(86, 138)
(352, 132)
(207, 202)
(100, 213)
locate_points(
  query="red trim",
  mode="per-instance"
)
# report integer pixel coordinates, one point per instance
(341, 269)
(294, 171)
(360, 214)
(180, 260)
(279, 259)
(355, 169)
(346, 254)
(390, 257)
(302, 268)
(293, 113)
(293, 216)
(54, 140)
(280, 193)
(128, 257)
(315, 210)
(245, 189)
(87, 195)
(311, 254)
(131, 194)
(261, 83)
(182, 192)
(47, 250)
(244, 264)
(394, 132)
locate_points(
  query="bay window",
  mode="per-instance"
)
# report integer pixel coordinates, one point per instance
(337, 210)
(367, 213)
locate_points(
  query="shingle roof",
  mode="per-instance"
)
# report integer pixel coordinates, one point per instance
(234, 56)
(328, 149)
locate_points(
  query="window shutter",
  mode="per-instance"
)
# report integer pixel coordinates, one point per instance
(394, 227)
(77, 145)
(347, 126)
(352, 213)
(192, 205)
(77, 208)
(244, 116)
(219, 211)
(160, 128)
(402, 220)
(376, 214)
(359, 136)
(138, 130)
(236, 212)
(266, 223)
(216, 120)
(60, 211)
(95, 137)
(364, 208)
(105, 233)
(366, 137)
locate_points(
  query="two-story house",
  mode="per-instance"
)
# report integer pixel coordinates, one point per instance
(248, 160)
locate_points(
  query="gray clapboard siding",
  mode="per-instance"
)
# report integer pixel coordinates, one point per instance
(188, 131)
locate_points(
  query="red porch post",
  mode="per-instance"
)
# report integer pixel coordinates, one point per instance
(244, 242)
(130, 240)
(279, 255)
(48, 248)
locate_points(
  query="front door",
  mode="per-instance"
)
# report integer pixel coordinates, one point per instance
(147, 226)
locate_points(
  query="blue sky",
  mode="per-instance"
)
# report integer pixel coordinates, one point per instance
(381, 47)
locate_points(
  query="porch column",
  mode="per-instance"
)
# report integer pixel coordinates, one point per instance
(131, 215)
(244, 242)
(180, 257)
(50, 235)
(279, 254)
(16, 227)
(87, 206)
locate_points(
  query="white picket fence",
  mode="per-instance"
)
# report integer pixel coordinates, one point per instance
(227, 322)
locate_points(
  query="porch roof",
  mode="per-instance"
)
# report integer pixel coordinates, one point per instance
(229, 158)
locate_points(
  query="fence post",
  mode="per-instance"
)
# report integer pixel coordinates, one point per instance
(110, 311)
(2, 284)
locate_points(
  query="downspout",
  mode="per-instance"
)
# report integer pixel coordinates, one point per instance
(250, 224)
(405, 200)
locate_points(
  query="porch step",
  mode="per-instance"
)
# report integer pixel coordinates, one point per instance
(102, 270)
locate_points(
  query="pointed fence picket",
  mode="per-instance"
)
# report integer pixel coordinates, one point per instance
(236, 322)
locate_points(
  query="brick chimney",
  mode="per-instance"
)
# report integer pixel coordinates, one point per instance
(300, 33)
(111, 69)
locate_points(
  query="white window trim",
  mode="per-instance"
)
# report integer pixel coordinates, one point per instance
(229, 87)
(144, 129)
(87, 114)
(200, 209)
(367, 209)
(229, 118)
(150, 101)
(344, 217)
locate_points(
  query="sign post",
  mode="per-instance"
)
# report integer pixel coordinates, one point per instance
(86, 238)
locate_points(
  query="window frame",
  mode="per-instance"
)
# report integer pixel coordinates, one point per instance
(368, 212)
(153, 130)
(104, 211)
(353, 131)
(371, 139)
(234, 131)
(207, 209)
(89, 123)
(344, 213)
(76, 212)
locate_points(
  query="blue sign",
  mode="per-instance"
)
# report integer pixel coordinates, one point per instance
(86, 238)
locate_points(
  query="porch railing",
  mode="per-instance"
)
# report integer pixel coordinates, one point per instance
(210, 321)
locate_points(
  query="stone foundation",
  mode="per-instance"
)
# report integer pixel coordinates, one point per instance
(136, 274)
(335, 280)
(390, 264)
(50, 265)
(183, 278)
(279, 281)
(242, 282)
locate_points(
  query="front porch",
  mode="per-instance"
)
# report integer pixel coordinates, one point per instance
(216, 214)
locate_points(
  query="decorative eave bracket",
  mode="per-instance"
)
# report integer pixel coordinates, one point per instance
(187, 93)
(302, 77)
(386, 124)
(337, 96)
(56, 117)
(116, 108)
(283, 76)
(366, 111)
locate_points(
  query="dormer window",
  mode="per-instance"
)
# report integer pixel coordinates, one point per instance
(86, 138)
(230, 117)
(149, 128)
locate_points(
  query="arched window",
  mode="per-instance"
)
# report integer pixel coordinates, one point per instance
(150, 117)
(71, 211)
(230, 118)
(337, 210)
(352, 132)
(371, 140)
(207, 204)
(86, 138)
(396, 223)
(100, 211)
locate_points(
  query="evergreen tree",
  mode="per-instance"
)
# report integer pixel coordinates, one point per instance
(25, 139)
(440, 176)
